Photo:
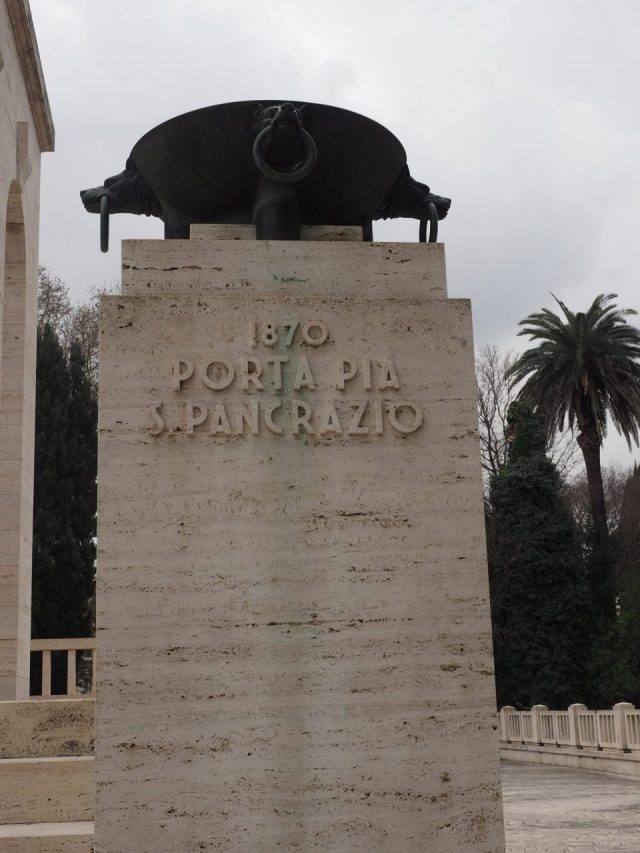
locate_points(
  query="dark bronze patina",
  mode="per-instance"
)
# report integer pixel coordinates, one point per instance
(272, 164)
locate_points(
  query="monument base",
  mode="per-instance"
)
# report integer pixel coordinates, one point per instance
(293, 614)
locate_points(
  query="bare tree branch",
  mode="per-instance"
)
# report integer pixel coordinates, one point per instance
(495, 395)
(614, 479)
(72, 322)
(54, 305)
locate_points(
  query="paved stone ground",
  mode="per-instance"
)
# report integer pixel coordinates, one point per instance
(556, 809)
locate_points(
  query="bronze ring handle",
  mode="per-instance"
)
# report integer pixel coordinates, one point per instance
(299, 171)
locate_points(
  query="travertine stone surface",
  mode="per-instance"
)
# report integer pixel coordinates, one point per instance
(315, 268)
(47, 728)
(293, 620)
(40, 790)
(25, 130)
(612, 761)
(557, 810)
(70, 837)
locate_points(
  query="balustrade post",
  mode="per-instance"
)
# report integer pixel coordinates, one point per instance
(71, 672)
(620, 723)
(536, 727)
(574, 726)
(504, 722)
(46, 673)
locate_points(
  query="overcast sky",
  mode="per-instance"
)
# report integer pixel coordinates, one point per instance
(525, 112)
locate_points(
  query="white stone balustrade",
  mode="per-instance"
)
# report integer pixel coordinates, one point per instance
(71, 646)
(617, 729)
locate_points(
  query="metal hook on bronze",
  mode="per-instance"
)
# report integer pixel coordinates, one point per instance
(299, 172)
(104, 223)
(433, 225)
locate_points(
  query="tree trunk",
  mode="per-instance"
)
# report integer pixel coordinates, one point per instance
(600, 563)
(590, 445)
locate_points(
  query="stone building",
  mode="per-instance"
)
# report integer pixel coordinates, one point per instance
(26, 130)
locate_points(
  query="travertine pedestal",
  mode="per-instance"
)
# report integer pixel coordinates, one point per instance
(293, 617)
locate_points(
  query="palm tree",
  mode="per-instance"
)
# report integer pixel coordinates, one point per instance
(584, 368)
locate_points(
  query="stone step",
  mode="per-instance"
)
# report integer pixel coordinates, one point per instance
(46, 790)
(69, 837)
(47, 728)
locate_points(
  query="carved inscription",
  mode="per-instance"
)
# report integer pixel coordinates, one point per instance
(275, 393)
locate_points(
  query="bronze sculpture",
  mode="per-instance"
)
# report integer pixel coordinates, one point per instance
(272, 164)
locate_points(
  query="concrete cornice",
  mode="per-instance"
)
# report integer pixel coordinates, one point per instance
(27, 47)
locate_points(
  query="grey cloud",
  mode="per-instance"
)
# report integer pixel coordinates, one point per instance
(526, 114)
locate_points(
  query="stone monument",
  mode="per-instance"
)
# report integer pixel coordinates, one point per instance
(293, 620)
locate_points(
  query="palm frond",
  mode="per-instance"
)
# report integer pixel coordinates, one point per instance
(583, 368)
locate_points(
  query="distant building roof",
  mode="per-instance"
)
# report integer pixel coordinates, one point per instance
(27, 47)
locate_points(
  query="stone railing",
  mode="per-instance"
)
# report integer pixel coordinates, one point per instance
(617, 730)
(71, 646)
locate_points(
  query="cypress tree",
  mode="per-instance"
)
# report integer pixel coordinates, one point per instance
(629, 534)
(83, 415)
(628, 548)
(539, 589)
(64, 493)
